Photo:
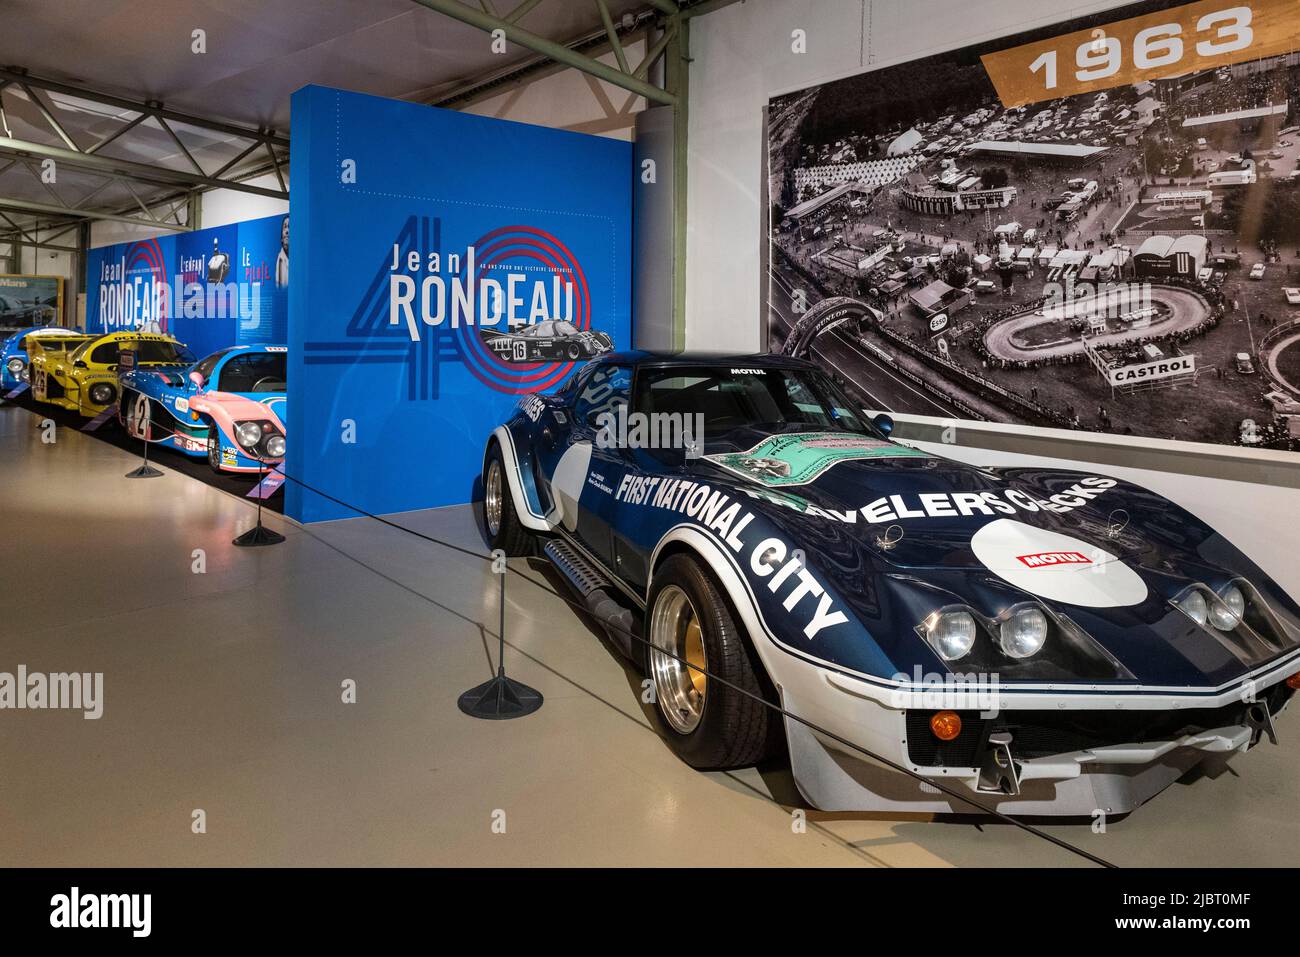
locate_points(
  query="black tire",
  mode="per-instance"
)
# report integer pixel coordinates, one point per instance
(734, 730)
(214, 449)
(510, 535)
(574, 352)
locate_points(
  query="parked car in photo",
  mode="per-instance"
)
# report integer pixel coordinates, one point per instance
(984, 286)
(1244, 365)
(1257, 271)
(1292, 295)
(790, 545)
(549, 340)
(17, 312)
(229, 407)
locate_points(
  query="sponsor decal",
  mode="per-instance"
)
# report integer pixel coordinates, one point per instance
(770, 559)
(1056, 566)
(182, 404)
(782, 460)
(1150, 371)
(1044, 559)
(532, 406)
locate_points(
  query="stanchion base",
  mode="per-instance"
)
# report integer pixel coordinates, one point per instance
(144, 471)
(500, 698)
(259, 534)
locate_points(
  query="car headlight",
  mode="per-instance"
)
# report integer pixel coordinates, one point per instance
(275, 446)
(248, 433)
(950, 633)
(1023, 633)
(1193, 604)
(101, 393)
(1226, 613)
(14, 365)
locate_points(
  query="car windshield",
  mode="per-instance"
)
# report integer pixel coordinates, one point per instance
(147, 351)
(765, 399)
(254, 372)
(565, 328)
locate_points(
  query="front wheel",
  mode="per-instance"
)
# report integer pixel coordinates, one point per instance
(504, 529)
(214, 450)
(138, 415)
(706, 675)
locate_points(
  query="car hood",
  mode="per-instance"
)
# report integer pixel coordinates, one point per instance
(897, 533)
(910, 509)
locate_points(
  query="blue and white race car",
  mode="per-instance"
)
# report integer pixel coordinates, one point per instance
(13, 354)
(1044, 641)
(228, 407)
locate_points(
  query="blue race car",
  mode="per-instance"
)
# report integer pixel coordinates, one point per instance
(228, 407)
(1045, 641)
(13, 354)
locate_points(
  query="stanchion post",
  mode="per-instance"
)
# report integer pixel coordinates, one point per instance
(259, 534)
(500, 697)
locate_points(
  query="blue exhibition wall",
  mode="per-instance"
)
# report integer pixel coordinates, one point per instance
(427, 235)
(210, 288)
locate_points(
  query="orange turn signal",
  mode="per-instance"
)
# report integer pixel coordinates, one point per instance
(1294, 682)
(945, 725)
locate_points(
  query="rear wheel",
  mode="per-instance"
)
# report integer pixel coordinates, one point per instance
(691, 629)
(504, 529)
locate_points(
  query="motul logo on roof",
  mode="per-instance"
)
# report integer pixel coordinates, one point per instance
(1043, 559)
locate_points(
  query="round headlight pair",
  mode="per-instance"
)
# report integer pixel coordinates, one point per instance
(1224, 614)
(1021, 635)
(248, 433)
(275, 446)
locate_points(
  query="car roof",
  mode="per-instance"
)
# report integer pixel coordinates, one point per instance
(651, 358)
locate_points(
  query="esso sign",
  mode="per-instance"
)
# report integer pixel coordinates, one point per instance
(939, 323)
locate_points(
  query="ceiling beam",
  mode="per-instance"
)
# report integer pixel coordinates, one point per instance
(141, 172)
(150, 108)
(549, 48)
(48, 209)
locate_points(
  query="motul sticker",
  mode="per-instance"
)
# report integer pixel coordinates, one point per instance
(1045, 559)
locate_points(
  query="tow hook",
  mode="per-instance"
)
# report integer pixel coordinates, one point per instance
(999, 774)
(1261, 723)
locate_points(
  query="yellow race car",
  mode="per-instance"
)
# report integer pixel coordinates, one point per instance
(84, 379)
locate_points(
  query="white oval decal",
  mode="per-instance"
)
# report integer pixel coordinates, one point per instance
(1056, 566)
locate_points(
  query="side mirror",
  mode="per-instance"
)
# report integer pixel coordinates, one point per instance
(197, 379)
(884, 422)
(80, 363)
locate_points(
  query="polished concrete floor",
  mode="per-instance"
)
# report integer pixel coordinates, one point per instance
(223, 693)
